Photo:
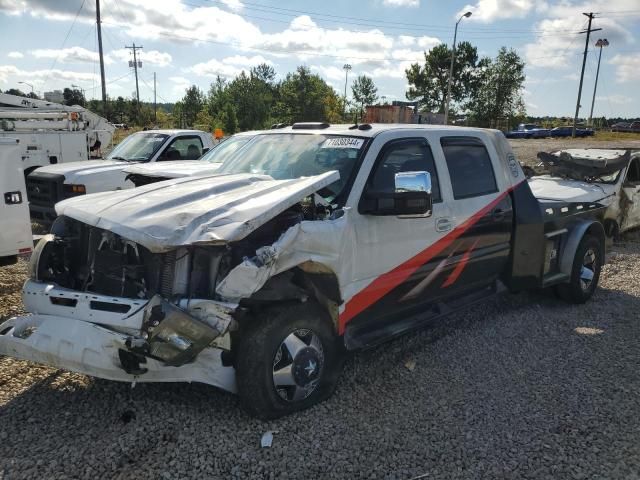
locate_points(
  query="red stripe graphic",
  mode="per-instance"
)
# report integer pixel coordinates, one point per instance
(453, 276)
(390, 280)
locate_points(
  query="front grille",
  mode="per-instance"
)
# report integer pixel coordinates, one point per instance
(167, 273)
(44, 189)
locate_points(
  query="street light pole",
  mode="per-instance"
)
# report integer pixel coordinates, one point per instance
(26, 83)
(453, 56)
(346, 67)
(600, 43)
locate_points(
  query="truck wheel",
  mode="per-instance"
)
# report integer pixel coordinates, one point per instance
(585, 272)
(288, 359)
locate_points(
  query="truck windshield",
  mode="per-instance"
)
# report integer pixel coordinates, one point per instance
(294, 155)
(139, 147)
(224, 150)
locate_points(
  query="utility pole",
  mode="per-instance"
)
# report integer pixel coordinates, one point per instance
(346, 67)
(135, 69)
(155, 105)
(588, 31)
(104, 85)
(600, 43)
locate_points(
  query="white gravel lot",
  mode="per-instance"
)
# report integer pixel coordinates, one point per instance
(521, 386)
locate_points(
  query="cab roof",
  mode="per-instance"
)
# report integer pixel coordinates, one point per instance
(365, 130)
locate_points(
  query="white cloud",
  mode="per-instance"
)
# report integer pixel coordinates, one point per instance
(235, 5)
(401, 3)
(615, 99)
(627, 67)
(15, 55)
(7, 71)
(331, 72)
(227, 67)
(153, 57)
(491, 10)
(69, 55)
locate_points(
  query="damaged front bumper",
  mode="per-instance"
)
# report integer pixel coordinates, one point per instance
(158, 342)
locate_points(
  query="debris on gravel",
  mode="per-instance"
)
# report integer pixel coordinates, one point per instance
(522, 386)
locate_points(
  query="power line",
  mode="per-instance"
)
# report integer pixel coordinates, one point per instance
(55, 60)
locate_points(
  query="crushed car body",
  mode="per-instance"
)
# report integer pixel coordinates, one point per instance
(606, 176)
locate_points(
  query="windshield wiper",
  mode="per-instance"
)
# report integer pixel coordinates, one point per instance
(122, 159)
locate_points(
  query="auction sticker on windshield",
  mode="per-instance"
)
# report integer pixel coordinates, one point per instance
(343, 142)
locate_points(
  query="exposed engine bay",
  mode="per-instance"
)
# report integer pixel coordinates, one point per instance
(89, 259)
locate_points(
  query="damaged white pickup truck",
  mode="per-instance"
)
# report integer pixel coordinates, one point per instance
(316, 239)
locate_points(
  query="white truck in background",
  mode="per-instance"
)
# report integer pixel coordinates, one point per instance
(15, 234)
(53, 183)
(51, 133)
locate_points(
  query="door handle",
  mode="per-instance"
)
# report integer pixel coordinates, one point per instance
(443, 224)
(498, 214)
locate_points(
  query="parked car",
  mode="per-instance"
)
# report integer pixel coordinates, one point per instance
(528, 130)
(314, 240)
(609, 177)
(626, 127)
(15, 234)
(48, 185)
(567, 131)
(143, 174)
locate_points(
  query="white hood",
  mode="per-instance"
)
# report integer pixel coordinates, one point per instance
(177, 169)
(212, 209)
(76, 172)
(552, 188)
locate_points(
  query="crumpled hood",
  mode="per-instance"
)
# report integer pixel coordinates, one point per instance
(214, 209)
(74, 171)
(552, 188)
(177, 169)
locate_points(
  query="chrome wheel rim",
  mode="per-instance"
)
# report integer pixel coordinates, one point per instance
(297, 365)
(588, 270)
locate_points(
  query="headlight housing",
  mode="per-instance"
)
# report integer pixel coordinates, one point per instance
(34, 262)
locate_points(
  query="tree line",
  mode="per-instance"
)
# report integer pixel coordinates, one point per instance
(488, 91)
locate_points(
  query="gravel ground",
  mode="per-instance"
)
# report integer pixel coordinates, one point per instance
(522, 386)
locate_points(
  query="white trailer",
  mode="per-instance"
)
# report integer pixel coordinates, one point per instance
(15, 234)
(51, 133)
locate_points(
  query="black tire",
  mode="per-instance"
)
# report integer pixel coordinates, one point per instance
(575, 291)
(262, 339)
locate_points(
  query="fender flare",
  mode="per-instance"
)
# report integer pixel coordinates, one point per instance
(576, 232)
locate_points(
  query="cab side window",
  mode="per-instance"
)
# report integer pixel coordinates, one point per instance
(633, 174)
(404, 156)
(183, 148)
(469, 166)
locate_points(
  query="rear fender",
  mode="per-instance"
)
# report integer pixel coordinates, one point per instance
(575, 235)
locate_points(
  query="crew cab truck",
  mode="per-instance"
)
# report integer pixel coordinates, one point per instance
(315, 240)
(15, 234)
(51, 184)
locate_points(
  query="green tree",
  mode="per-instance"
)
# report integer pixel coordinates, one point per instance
(303, 96)
(73, 97)
(498, 98)
(230, 124)
(428, 82)
(364, 91)
(192, 102)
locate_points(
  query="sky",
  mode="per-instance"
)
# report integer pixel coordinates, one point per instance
(52, 44)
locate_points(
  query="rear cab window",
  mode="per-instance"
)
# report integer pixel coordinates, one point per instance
(470, 167)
